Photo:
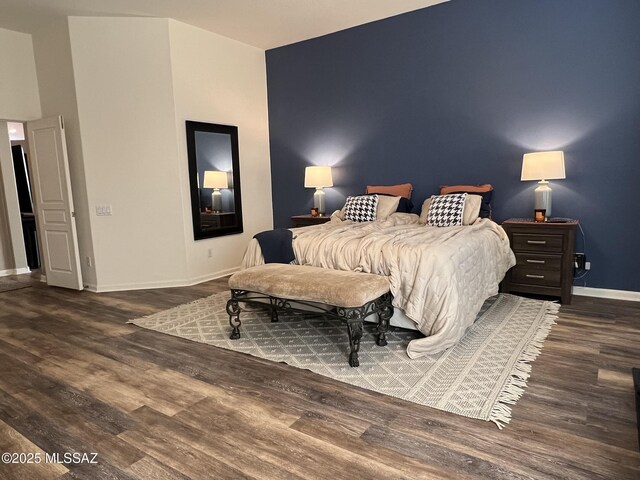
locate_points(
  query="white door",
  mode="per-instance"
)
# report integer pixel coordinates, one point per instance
(54, 203)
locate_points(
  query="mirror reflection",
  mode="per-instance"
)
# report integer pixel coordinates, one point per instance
(214, 175)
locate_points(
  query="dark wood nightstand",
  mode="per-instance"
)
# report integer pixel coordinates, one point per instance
(209, 220)
(306, 220)
(544, 257)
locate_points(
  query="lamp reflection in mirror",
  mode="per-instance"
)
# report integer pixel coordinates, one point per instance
(318, 177)
(543, 166)
(216, 180)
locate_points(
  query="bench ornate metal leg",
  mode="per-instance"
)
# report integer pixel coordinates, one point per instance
(274, 309)
(233, 309)
(385, 313)
(354, 328)
(354, 318)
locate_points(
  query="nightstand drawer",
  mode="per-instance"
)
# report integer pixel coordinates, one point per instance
(532, 276)
(538, 261)
(537, 243)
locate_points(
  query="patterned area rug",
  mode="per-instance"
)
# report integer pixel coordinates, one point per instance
(480, 377)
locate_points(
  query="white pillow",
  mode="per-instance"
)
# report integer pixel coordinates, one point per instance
(471, 209)
(386, 206)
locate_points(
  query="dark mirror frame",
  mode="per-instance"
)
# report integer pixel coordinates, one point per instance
(191, 129)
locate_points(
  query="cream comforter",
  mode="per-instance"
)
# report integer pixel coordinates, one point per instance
(439, 277)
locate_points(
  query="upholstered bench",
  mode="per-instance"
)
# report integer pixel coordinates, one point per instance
(349, 296)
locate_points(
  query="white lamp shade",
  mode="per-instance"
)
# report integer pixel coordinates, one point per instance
(215, 179)
(543, 166)
(318, 177)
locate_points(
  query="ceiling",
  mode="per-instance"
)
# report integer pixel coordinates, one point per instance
(262, 23)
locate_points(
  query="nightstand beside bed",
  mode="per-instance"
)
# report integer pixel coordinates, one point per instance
(544, 257)
(307, 220)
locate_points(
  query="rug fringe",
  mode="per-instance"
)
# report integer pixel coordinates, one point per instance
(514, 388)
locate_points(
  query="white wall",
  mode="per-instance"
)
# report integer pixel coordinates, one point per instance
(19, 98)
(219, 80)
(125, 87)
(125, 105)
(136, 81)
(56, 85)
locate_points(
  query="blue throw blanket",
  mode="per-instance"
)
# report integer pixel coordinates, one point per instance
(276, 245)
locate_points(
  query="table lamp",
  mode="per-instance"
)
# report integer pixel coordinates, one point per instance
(318, 177)
(216, 180)
(543, 166)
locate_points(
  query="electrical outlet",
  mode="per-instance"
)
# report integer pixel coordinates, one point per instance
(587, 265)
(209, 253)
(103, 210)
(89, 262)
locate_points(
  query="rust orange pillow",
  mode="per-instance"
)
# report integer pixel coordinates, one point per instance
(485, 191)
(446, 189)
(402, 190)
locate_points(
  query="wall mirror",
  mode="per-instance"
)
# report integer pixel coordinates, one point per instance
(214, 177)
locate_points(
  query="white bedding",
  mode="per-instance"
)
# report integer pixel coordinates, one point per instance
(439, 277)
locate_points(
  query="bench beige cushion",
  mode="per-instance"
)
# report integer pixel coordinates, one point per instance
(313, 284)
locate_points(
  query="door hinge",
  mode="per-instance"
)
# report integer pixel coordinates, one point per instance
(61, 122)
(73, 214)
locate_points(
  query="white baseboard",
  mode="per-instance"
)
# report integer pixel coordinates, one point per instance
(119, 287)
(161, 284)
(607, 293)
(212, 276)
(14, 271)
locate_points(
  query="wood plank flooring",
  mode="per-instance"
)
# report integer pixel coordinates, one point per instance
(74, 377)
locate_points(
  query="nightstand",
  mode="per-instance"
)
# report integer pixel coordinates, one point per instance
(544, 257)
(210, 220)
(306, 220)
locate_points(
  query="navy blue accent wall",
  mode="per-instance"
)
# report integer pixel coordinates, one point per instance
(456, 93)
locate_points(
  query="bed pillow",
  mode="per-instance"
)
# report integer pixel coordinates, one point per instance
(446, 210)
(485, 191)
(469, 216)
(402, 190)
(361, 208)
(386, 206)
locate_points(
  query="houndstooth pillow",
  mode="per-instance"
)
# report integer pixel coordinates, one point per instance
(361, 209)
(446, 210)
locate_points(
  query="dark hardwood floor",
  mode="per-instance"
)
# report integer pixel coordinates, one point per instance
(74, 377)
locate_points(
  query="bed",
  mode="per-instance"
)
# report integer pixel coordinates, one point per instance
(440, 277)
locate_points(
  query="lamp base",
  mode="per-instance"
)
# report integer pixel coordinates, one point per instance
(319, 200)
(542, 197)
(216, 201)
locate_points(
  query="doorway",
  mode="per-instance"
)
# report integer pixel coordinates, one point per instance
(20, 155)
(24, 255)
(43, 166)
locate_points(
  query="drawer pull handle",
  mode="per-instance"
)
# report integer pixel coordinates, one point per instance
(537, 242)
(536, 261)
(534, 276)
